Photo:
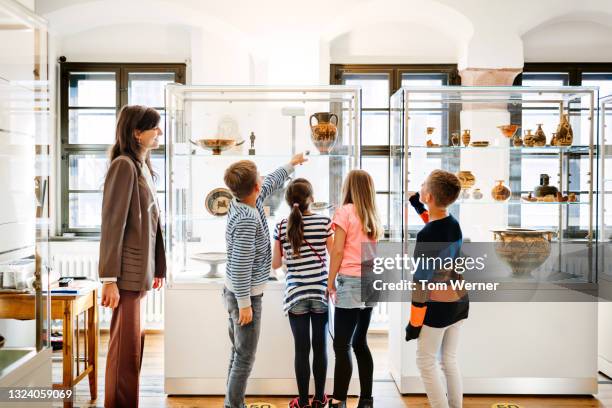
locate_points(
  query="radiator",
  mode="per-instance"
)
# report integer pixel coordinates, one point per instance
(87, 265)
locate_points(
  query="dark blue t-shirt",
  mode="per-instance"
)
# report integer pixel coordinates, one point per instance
(441, 238)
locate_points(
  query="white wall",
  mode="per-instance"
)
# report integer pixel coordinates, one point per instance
(394, 43)
(569, 41)
(128, 43)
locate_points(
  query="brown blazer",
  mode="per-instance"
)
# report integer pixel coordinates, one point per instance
(131, 241)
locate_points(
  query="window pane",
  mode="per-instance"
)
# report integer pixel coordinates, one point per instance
(87, 171)
(92, 89)
(378, 167)
(91, 126)
(85, 210)
(374, 89)
(424, 79)
(147, 88)
(545, 79)
(375, 128)
(603, 81)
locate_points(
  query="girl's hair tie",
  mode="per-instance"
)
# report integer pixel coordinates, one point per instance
(296, 205)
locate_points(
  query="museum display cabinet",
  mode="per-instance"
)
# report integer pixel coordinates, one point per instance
(605, 252)
(25, 140)
(209, 128)
(526, 158)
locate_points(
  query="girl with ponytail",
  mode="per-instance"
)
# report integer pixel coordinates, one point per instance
(302, 241)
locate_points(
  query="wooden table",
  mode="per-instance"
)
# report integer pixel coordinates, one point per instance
(67, 308)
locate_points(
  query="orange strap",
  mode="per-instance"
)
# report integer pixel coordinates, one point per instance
(425, 216)
(417, 315)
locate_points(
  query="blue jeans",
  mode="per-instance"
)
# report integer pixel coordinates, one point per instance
(244, 346)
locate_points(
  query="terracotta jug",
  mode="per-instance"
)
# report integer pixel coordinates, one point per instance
(323, 133)
(500, 192)
(465, 137)
(565, 134)
(540, 137)
(466, 178)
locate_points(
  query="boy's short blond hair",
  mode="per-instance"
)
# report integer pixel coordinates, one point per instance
(241, 178)
(444, 186)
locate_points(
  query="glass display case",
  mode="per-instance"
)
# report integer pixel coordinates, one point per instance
(209, 128)
(604, 248)
(526, 201)
(525, 157)
(25, 140)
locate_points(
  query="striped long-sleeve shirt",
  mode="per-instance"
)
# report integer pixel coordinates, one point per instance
(249, 254)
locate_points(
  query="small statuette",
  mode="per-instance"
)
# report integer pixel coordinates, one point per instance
(252, 149)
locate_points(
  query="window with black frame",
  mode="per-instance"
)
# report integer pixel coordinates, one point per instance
(378, 82)
(91, 96)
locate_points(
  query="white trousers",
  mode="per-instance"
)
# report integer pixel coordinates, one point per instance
(445, 341)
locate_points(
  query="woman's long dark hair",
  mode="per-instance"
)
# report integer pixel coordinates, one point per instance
(299, 197)
(133, 118)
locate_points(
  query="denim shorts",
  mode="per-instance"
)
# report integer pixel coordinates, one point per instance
(308, 306)
(348, 293)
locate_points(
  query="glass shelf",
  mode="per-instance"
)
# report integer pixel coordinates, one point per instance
(259, 156)
(542, 149)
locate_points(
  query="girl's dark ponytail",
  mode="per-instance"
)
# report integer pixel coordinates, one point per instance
(298, 197)
(295, 229)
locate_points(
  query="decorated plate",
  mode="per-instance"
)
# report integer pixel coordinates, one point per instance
(218, 201)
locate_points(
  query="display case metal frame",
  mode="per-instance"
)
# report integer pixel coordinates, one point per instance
(193, 303)
(507, 347)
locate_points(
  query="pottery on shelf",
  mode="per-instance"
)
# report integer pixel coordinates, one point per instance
(216, 145)
(539, 139)
(465, 137)
(477, 194)
(455, 139)
(565, 134)
(508, 130)
(466, 178)
(523, 249)
(544, 188)
(218, 201)
(517, 141)
(213, 259)
(528, 139)
(465, 194)
(500, 192)
(323, 133)
(273, 201)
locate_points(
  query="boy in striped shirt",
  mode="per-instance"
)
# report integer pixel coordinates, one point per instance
(249, 258)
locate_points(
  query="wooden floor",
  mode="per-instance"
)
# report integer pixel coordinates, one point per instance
(385, 392)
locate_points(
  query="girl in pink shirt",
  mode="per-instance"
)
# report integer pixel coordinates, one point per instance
(355, 223)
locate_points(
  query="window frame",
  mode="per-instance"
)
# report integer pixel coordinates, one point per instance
(395, 73)
(121, 71)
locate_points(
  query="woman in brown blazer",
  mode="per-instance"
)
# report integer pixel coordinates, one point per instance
(132, 258)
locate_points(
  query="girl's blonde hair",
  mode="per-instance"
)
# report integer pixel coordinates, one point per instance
(358, 189)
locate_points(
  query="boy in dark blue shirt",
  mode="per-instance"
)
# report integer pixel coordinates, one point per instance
(437, 316)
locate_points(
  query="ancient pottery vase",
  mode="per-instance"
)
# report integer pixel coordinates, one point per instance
(324, 131)
(522, 249)
(500, 192)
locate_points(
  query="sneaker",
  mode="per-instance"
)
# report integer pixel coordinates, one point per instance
(295, 403)
(319, 404)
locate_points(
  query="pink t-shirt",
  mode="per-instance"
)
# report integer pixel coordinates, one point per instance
(346, 218)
